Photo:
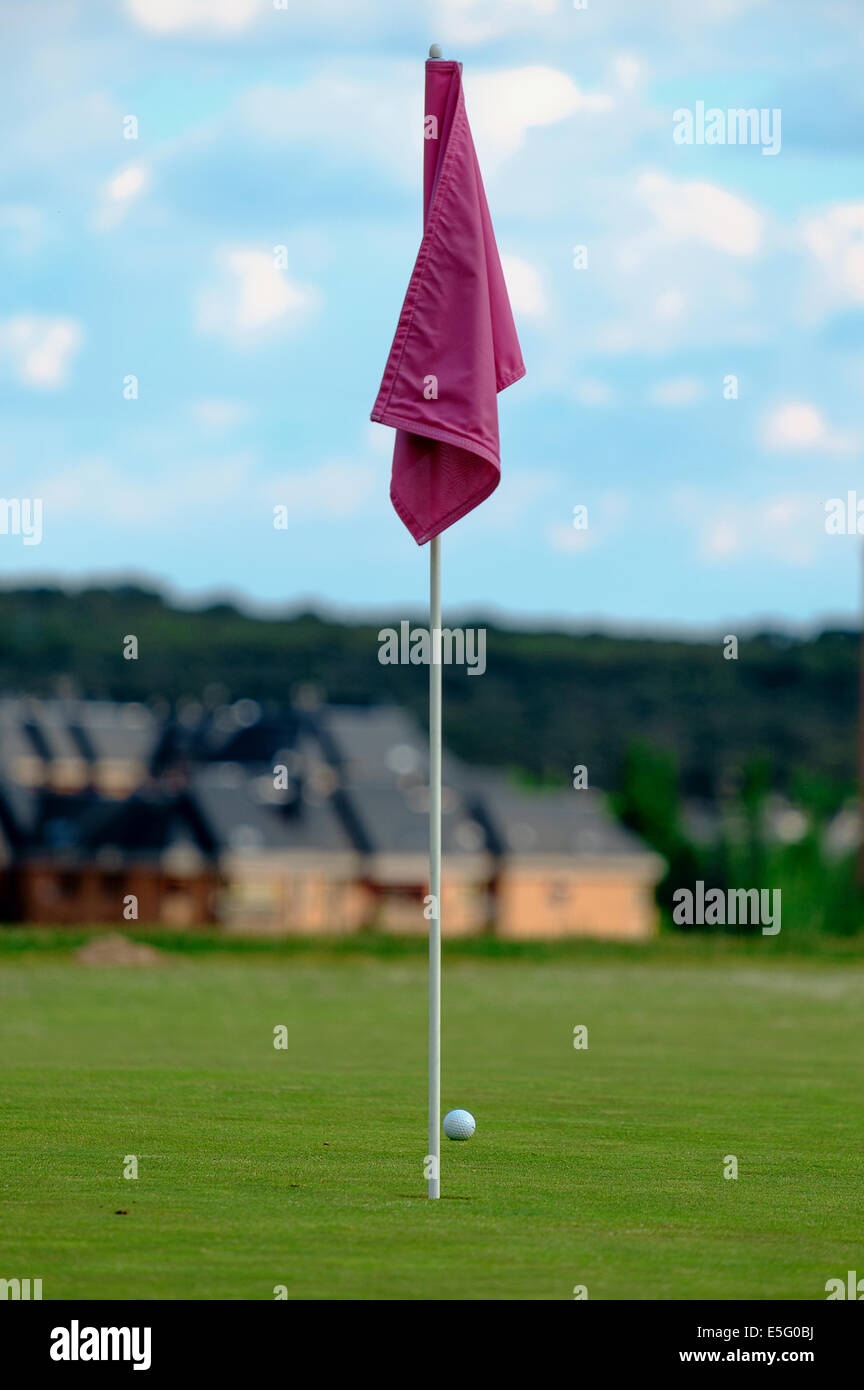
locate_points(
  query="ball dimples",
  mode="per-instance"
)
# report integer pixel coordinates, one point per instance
(459, 1124)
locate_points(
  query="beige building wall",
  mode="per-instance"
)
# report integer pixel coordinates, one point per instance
(281, 894)
(464, 908)
(284, 894)
(558, 899)
(401, 884)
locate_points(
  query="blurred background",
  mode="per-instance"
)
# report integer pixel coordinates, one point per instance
(209, 216)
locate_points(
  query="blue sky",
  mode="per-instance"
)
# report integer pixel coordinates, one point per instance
(300, 128)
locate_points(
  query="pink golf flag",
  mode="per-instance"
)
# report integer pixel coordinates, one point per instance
(455, 346)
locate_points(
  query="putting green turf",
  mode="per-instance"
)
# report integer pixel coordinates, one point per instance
(303, 1167)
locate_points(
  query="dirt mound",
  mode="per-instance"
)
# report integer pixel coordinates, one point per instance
(117, 950)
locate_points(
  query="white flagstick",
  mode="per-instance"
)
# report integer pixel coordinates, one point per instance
(435, 865)
(435, 851)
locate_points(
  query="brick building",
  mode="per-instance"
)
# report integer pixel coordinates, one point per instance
(300, 821)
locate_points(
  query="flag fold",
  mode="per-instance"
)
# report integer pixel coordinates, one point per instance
(455, 345)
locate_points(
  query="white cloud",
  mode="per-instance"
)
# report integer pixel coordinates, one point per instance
(374, 112)
(721, 538)
(703, 213)
(252, 296)
(380, 439)
(363, 113)
(652, 321)
(836, 240)
(223, 17)
(628, 71)
(674, 265)
(785, 527)
(128, 183)
(63, 132)
(681, 391)
(568, 539)
(591, 392)
(95, 488)
(606, 515)
(503, 106)
(524, 287)
(40, 348)
(798, 425)
(120, 192)
(670, 305)
(476, 21)
(219, 414)
(509, 503)
(332, 489)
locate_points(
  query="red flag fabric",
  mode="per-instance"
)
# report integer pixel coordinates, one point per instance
(455, 346)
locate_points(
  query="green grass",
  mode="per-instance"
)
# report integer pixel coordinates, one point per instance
(303, 1167)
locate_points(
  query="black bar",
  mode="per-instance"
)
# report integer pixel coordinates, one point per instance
(239, 1337)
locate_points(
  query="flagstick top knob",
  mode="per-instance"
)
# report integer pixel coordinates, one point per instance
(435, 50)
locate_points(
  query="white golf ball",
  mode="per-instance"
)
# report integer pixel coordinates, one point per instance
(459, 1124)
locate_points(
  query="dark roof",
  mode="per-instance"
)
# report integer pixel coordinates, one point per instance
(145, 825)
(371, 743)
(105, 730)
(244, 812)
(357, 780)
(551, 822)
(240, 733)
(87, 729)
(381, 756)
(396, 819)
